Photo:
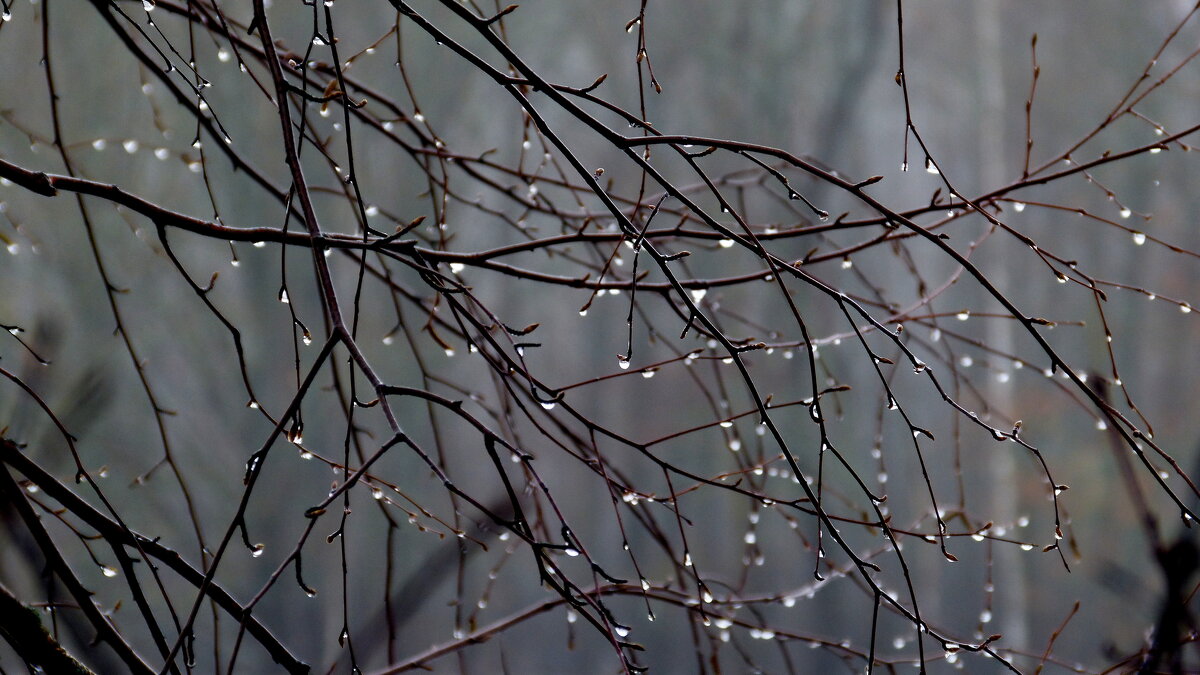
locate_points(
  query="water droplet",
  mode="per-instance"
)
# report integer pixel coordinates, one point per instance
(1185, 308)
(1018, 206)
(449, 352)
(1026, 547)
(1155, 151)
(966, 361)
(930, 167)
(108, 571)
(621, 631)
(698, 294)
(376, 493)
(919, 367)
(257, 550)
(847, 263)
(456, 267)
(1125, 213)
(904, 166)
(148, 5)
(1101, 425)
(687, 560)
(419, 118)
(130, 145)
(99, 144)
(283, 296)
(195, 167)
(623, 361)
(725, 243)
(963, 315)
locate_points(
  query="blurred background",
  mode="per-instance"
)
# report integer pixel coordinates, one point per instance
(815, 79)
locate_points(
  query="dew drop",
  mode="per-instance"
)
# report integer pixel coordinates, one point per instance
(725, 243)
(283, 296)
(131, 146)
(1018, 206)
(963, 315)
(1185, 308)
(1125, 213)
(847, 263)
(148, 5)
(698, 294)
(257, 550)
(99, 144)
(623, 362)
(376, 494)
(419, 118)
(456, 267)
(108, 571)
